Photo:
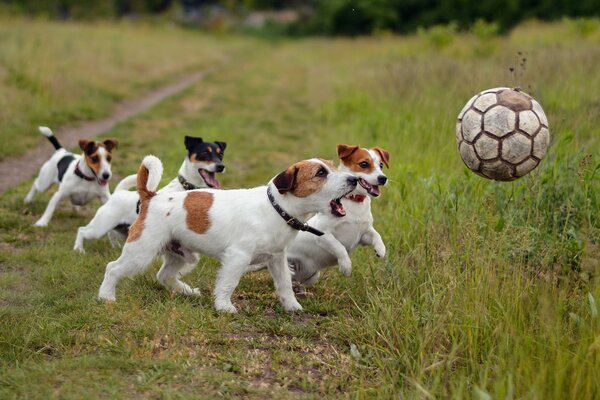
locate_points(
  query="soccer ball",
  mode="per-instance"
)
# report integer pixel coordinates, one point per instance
(502, 134)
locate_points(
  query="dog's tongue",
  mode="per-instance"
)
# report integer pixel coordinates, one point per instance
(210, 179)
(337, 208)
(102, 182)
(375, 190)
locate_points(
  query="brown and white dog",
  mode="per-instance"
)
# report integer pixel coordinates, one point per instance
(309, 254)
(81, 178)
(198, 170)
(238, 227)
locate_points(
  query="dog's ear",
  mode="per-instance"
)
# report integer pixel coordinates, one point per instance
(111, 144)
(190, 142)
(88, 146)
(384, 154)
(284, 181)
(222, 145)
(345, 151)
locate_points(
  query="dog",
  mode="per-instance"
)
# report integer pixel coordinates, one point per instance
(237, 227)
(81, 178)
(203, 161)
(309, 254)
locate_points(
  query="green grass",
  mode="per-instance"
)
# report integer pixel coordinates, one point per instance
(490, 289)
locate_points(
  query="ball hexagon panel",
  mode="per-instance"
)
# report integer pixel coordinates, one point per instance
(516, 148)
(498, 170)
(485, 101)
(458, 132)
(540, 143)
(528, 122)
(487, 148)
(467, 153)
(471, 125)
(526, 166)
(540, 113)
(499, 121)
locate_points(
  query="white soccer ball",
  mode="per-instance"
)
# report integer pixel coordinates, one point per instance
(502, 134)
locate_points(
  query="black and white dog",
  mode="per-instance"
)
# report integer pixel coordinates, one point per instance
(203, 161)
(81, 178)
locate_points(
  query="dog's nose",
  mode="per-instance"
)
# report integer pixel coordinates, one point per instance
(352, 181)
(381, 179)
(220, 168)
(105, 175)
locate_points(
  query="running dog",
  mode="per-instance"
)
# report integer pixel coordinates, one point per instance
(81, 178)
(238, 227)
(308, 254)
(203, 161)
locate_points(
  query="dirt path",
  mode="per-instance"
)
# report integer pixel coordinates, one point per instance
(18, 169)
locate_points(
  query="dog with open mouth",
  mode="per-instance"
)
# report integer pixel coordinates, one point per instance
(198, 170)
(81, 178)
(239, 227)
(308, 254)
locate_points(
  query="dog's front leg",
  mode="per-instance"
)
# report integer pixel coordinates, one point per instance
(329, 243)
(282, 278)
(373, 238)
(43, 221)
(234, 264)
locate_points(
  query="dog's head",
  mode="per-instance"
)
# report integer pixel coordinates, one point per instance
(98, 157)
(315, 185)
(206, 158)
(366, 165)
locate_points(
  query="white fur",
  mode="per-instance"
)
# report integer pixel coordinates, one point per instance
(309, 254)
(155, 171)
(44, 130)
(120, 208)
(78, 190)
(244, 229)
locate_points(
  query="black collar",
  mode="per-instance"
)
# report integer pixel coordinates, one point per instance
(186, 185)
(291, 221)
(82, 175)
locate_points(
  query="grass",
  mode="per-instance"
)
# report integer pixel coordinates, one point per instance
(490, 289)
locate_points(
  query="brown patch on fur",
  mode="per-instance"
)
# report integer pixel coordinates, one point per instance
(195, 160)
(197, 205)
(345, 150)
(306, 181)
(329, 163)
(356, 157)
(384, 155)
(516, 101)
(136, 229)
(90, 151)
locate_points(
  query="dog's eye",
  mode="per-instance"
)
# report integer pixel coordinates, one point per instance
(363, 164)
(220, 156)
(381, 165)
(108, 158)
(321, 172)
(95, 159)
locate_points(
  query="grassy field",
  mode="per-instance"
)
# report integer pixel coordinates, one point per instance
(489, 290)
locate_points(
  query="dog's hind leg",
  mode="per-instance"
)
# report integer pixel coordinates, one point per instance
(32, 193)
(169, 273)
(134, 259)
(282, 278)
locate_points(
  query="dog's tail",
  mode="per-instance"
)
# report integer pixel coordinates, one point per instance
(127, 183)
(44, 130)
(148, 177)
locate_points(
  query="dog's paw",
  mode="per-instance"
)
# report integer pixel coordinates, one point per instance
(190, 291)
(380, 250)
(225, 307)
(107, 298)
(40, 224)
(291, 306)
(346, 267)
(79, 249)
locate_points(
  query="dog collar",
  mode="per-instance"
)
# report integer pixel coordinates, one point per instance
(81, 174)
(186, 185)
(359, 198)
(291, 221)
